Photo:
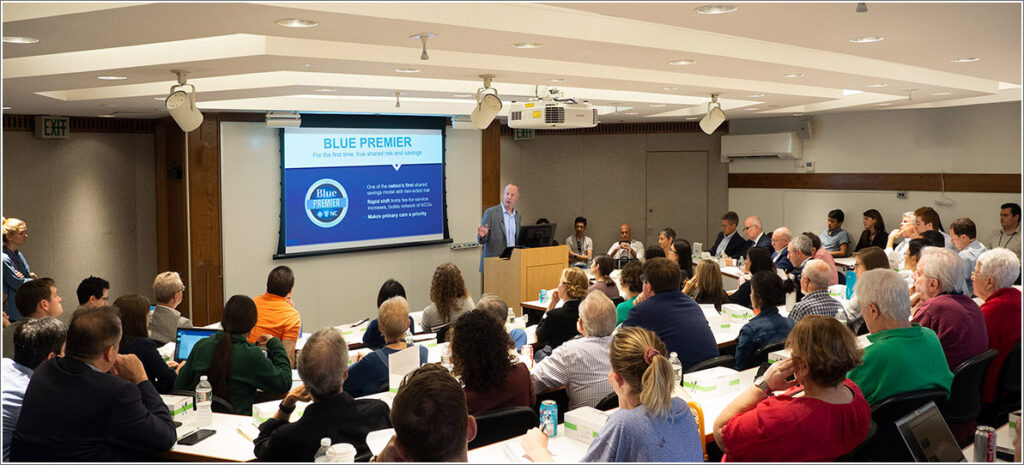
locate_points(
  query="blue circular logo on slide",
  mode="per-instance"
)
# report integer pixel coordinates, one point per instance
(326, 203)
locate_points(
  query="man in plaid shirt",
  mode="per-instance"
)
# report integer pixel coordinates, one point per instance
(814, 285)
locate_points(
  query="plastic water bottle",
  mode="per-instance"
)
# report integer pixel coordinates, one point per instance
(408, 338)
(204, 403)
(677, 368)
(321, 453)
(511, 315)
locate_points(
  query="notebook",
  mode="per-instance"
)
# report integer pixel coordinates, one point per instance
(185, 338)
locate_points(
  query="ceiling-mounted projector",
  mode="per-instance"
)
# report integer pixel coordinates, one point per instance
(283, 119)
(552, 112)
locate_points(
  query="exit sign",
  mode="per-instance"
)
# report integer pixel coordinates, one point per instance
(53, 127)
(523, 134)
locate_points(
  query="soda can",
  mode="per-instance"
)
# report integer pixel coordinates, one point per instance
(543, 295)
(985, 444)
(549, 418)
(528, 354)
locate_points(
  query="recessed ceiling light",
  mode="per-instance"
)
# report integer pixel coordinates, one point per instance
(462, 95)
(885, 104)
(692, 118)
(876, 85)
(657, 105)
(965, 60)
(160, 98)
(715, 9)
(798, 114)
(7, 108)
(20, 40)
(752, 109)
(682, 62)
(325, 89)
(112, 78)
(755, 95)
(527, 45)
(108, 105)
(939, 94)
(631, 113)
(297, 22)
(793, 75)
(556, 80)
(866, 39)
(110, 115)
(407, 70)
(669, 88)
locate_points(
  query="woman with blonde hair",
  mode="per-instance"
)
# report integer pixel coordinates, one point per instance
(449, 298)
(650, 425)
(16, 270)
(706, 285)
(559, 323)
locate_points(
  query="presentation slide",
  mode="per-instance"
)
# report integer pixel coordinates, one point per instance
(358, 188)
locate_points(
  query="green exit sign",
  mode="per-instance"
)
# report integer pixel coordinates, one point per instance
(523, 134)
(53, 127)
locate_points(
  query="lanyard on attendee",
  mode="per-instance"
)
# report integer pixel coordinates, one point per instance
(1007, 240)
(579, 247)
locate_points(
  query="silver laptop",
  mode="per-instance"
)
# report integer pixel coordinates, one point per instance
(927, 435)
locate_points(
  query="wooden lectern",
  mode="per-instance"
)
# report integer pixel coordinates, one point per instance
(521, 277)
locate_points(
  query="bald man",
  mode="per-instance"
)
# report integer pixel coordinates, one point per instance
(755, 233)
(780, 249)
(626, 247)
(499, 228)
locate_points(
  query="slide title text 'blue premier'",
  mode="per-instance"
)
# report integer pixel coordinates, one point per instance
(376, 142)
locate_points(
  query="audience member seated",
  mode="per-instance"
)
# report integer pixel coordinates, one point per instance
(874, 234)
(906, 231)
(758, 259)
(650, 424)
(626, 248)
(91, 405)
(35, 299)
(92, 292)
(1008, 234)
(449, 298)
(728, 242)
(581, 364)
(767, 291)
(755, 233)
(665, 239)
(866, 259)
(493, 376)
(683, 252)
(834, 239)
(829, 420)
(235, 367)
(943, 307)
(134, 310)
(498, 309)
(603, 282)
(653, 251)
(373, 338)
(706, 285)
(672, 315)
(903, 356)
(169, 292)
(369, 373)
(16, 271)
(816, 301)
(963, 235)
(581, 246)
(277, 316)
(994, 275)
(35, 341)
(334, 413)
(927, 219)
(559, 323)
(432, 423)
(632, 284)
(821, 254)
(780, 249)
(913, 252)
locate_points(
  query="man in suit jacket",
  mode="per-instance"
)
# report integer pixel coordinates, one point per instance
(75, 411)
(753, 230)
(497, 229)
(780, 249)
(728, 242)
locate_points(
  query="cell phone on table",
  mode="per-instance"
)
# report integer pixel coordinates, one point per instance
(194, 438)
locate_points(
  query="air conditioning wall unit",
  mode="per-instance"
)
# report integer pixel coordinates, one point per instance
(783, 145)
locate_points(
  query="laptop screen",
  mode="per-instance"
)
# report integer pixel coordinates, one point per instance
(186, 338)
(926, 434)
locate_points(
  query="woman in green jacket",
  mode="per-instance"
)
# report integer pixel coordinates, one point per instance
(235, 367)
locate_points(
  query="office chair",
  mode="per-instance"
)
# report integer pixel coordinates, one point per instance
(501, 424)
(887, 445)
(727, 361)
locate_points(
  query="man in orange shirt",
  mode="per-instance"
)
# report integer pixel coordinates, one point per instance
(277, 315)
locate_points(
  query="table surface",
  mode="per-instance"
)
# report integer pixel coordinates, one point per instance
(227, 444)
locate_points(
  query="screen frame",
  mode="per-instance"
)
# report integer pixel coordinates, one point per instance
(320, 120)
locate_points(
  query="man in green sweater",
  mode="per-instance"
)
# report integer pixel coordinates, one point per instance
(902, 357)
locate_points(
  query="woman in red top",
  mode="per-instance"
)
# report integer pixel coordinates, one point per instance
(829, 420)
(492, 375)
(993, 278)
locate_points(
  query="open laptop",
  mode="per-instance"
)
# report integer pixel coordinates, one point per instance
(927, 435)
(185, 338)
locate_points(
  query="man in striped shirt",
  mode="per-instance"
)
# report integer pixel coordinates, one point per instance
(582, 364)
(814, 285)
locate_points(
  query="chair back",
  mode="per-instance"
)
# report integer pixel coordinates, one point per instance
(727, 361)
(501, 424)
(852, 456)
(219, 404)
(1009, 374)
(618, 300)
(442, 333)
(887, 445)
(761, 356)
(609, 402)
(964, 401)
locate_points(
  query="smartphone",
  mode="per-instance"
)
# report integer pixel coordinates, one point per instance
(194, 438)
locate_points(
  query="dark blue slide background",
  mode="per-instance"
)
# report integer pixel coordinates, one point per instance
(355, 226)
